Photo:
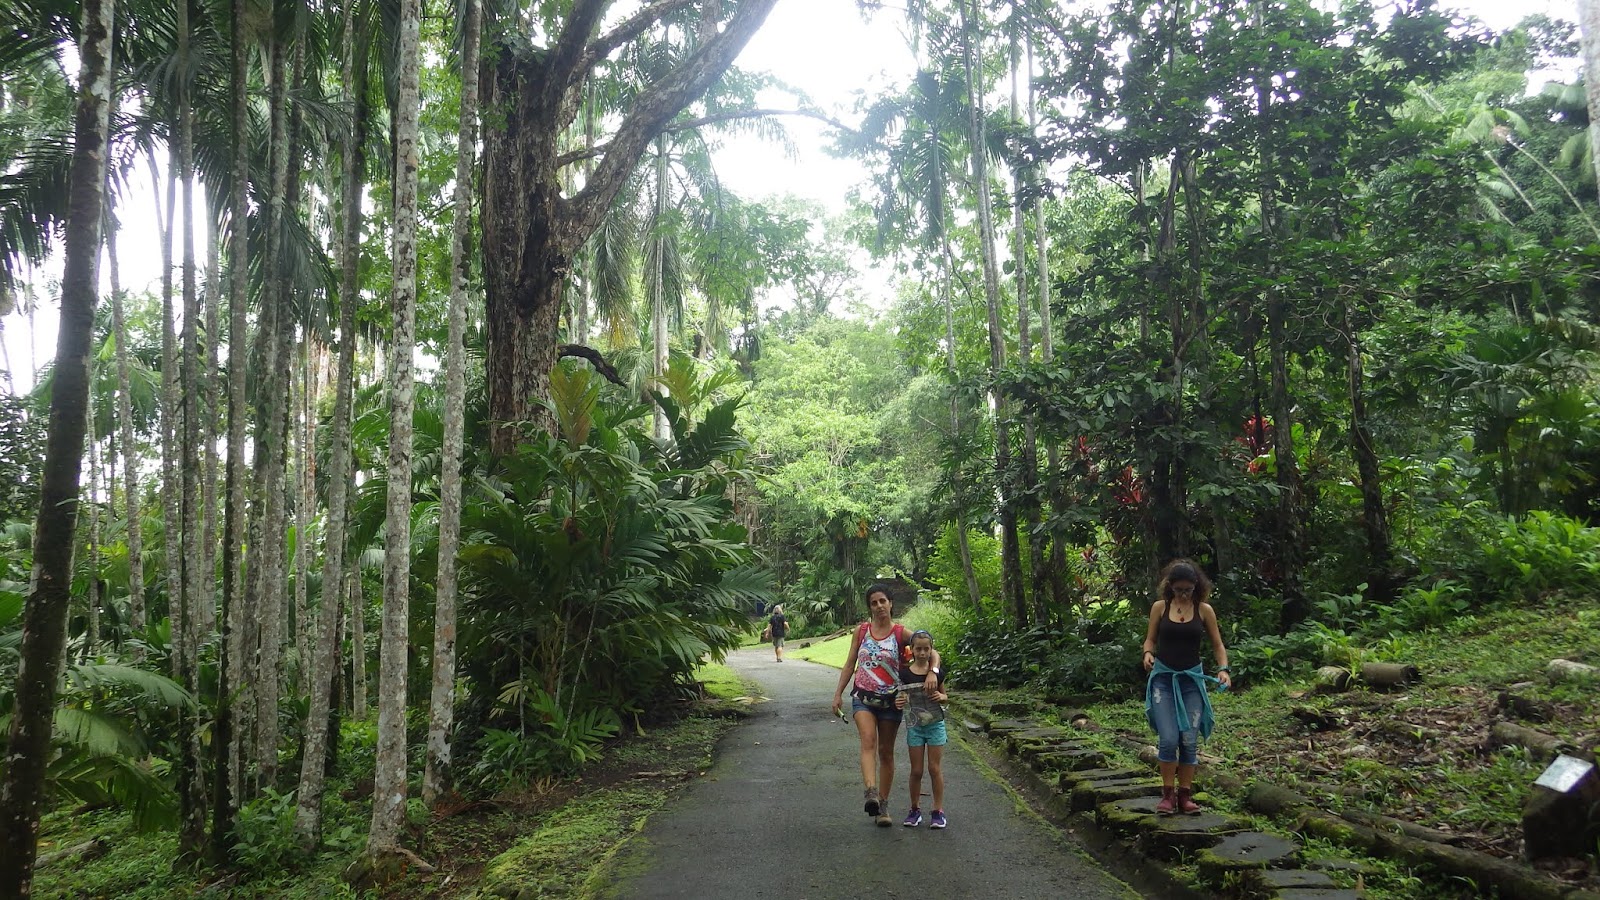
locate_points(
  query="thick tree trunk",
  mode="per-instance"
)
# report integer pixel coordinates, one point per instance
(44, 617)
(530, 231)
(227, 738)
(436, 776)
(1014, 592)
(389, 787)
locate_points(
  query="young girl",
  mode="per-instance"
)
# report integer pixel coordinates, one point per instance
(925, 732)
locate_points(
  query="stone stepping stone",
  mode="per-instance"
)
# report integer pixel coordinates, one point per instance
(1071, 760)
(1247, 850)
(1075, 776)
(1283, 879)
(1087, 795)
(1003, 727)
(1315, 894)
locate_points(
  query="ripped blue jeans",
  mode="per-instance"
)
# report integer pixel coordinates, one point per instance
(1172, 745)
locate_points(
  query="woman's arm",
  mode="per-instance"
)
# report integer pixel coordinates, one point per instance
(847, 670)
(1150, 634)
(1219, 651)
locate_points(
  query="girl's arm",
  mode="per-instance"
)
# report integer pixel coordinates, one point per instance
(846, 671)
(931, 683)
(1150, 634)
(1219, 651)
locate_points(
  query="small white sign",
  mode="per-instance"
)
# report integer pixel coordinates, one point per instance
(1565, 773)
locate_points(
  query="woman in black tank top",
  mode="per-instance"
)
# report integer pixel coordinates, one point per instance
(1175, 695)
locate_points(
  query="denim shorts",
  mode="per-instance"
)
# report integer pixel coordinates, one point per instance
(930, 735)
(883, 715)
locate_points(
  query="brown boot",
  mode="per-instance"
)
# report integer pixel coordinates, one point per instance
(1168, 802)
(1186, 804)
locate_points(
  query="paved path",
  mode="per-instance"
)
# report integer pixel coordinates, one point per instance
(779, 815)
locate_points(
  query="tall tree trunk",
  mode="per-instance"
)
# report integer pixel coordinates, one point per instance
(963, 545)
(44, 617)
(266, 566)
(130, 453)
(1290, 531)
(205, 369)
(171, 425)
(1057, 566)
(229, 733)
(301, 424)
(325, 648)
(91, 549)
(389, 788)
(1589, 30)
(1374, 514)
(658, 297)
(436, 776)
(1010, 547)
(1030, 442)
(192, 587)
(358, 643)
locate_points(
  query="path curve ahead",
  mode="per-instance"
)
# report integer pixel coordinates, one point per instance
(779, 815)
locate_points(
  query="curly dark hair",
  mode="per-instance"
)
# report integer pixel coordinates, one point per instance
(878, 587)
(1184, 570)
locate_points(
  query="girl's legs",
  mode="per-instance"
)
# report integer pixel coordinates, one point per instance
(867, 731)
(886, 734)
(1164, 715)
(916, 754)
(1189, 748)
(936, 774)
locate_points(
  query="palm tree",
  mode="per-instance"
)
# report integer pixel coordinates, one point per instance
(436, 775)
(389, 788)
(44, 623)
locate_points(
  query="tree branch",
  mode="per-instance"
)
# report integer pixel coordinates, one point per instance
(579, 351)
(567, 159)
(656, 106)
(563, 64)
(627, 30)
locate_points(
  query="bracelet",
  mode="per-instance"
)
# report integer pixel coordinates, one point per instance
(1149, 653)
(1223, 669)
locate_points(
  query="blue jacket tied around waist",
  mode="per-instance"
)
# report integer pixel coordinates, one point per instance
(1198, 674)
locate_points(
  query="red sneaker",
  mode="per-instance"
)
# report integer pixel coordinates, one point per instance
(1186, 804)
(1168, 802)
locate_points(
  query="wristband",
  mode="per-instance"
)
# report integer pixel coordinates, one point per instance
(1223, 669)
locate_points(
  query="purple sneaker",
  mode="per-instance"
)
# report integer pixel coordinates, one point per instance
(913, 818)
(938, 819)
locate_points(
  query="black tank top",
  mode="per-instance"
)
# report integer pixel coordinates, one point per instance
(1178, 643)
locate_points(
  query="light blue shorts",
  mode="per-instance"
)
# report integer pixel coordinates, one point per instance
(932, 735)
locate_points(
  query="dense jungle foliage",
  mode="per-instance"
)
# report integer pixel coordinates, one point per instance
(1303, 291)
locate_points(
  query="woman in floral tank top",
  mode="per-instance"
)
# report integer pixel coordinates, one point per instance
(872, 669)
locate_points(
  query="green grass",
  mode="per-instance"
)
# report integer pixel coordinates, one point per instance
(721, 682)
(830, 652)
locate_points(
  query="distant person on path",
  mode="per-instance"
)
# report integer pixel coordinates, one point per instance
(1175, 701)
(872, 669)
(925, 732)
(779, 624)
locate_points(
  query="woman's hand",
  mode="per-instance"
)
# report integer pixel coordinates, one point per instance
(900, 700)
(1149, 660)
(1226, 678)
(838, 703)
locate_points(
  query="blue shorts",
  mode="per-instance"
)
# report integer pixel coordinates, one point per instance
(932, 735)
(883, 715)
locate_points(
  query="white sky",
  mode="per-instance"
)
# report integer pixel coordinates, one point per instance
(820, 47)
